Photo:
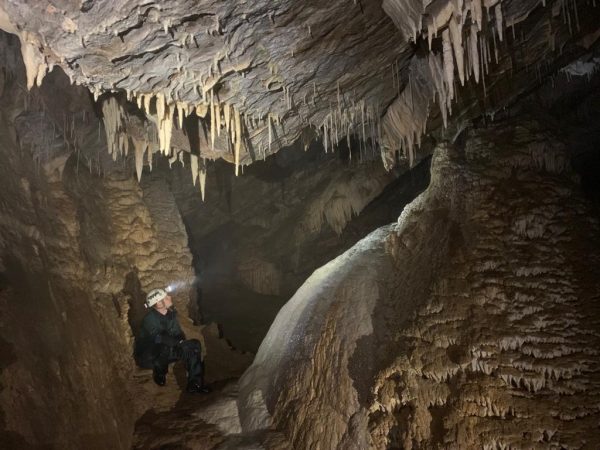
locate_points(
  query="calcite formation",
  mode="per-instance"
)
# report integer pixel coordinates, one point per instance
(469, 323)
(240, 68)
(79, 250)
(257, 76)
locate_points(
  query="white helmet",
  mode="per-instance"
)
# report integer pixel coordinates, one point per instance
(155, 296)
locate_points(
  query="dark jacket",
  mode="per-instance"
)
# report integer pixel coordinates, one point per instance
(157, 330)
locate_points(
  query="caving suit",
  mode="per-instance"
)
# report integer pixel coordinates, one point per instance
(161, 342)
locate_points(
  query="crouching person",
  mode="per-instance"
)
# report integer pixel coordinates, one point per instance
(162, 342)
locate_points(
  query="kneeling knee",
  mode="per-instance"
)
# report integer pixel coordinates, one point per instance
(192, 344)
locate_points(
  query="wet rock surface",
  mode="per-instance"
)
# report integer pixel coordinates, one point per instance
(78, 251)
(196, 421)
(261, 75)
(471, 322)
(452, 327)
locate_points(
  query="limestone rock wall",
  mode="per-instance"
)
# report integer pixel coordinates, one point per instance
(65, 353)
(470, 323)
(80, 243)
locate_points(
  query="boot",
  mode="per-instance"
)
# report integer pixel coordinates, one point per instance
(194, 387)
(159, 377)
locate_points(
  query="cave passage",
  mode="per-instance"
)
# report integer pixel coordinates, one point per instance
(244, 299)
(313, 225)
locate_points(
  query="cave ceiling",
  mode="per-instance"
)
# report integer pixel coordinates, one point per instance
(250, 77)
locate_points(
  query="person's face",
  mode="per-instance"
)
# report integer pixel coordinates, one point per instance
(165, 303)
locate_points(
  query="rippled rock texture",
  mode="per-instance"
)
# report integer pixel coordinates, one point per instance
(240, 80)
(472, 322)
(78, 251)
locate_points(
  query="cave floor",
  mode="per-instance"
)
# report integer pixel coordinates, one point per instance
(170, 418)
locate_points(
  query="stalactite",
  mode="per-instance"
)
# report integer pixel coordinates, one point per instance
(167, 130)
(218, 117)
(477, 13)
(362, 120)
(348, 142)
(495, 45)
(194, 167)
(180, 114)
(172, 159)
(35, 63)
(147, 100)
(238, 140)
(212, 120)
(437, 75)
(139, 101)
(499, 20)
(448, 63)
(227, 115)
(164, 120)
(457, 44)
(160, 107)
(201, 110)
(139, 148)
(488, 54)
(113, 118)
(202, 176)
(269, 125)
